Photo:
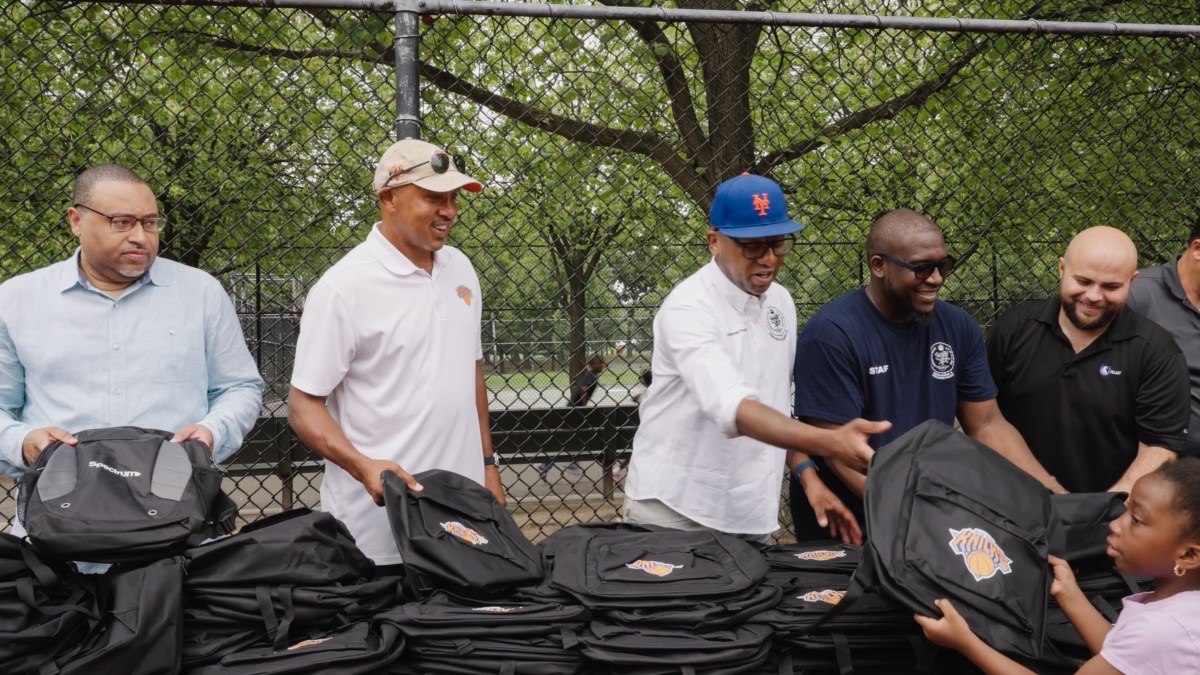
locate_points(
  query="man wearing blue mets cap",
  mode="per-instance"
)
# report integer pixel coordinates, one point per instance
(715, 425)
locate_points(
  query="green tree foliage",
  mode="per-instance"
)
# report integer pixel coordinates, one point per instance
(602, 141)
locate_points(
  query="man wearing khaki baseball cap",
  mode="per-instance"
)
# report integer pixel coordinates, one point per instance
(388, 373)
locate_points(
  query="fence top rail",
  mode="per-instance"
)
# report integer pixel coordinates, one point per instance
(667, 14)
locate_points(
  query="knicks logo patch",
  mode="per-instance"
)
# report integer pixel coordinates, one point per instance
(828, 595)
(658, 569)
(464, 293)
(307, 643)
(820, 556)
(464, 533)
(982, 555)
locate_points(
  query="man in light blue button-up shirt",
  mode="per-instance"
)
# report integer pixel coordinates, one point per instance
(114, 336)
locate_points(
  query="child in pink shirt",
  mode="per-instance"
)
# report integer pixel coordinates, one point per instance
(1158, 632)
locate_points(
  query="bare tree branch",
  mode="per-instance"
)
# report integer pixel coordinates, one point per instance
(683, 108)
(915, 97)
(658, 148)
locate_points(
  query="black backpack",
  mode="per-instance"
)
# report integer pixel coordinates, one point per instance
(140, 628)
(949, 517)
(276, 582)
(448, 634)
(123, 494)
(454, 535)
(362, 648)
(45, 610)
(607, 568)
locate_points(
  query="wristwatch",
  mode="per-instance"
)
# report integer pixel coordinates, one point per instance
(492, 460)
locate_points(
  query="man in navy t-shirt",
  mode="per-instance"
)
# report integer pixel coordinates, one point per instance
(892, 351)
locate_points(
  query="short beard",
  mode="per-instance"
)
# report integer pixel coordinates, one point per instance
(1101, 321)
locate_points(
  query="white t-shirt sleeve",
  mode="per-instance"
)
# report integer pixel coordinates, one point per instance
(326, 343)
(705, 367)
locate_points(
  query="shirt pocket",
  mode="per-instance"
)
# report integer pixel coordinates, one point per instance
(169, 346)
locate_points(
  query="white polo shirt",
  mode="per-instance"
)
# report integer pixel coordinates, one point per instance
(715, 345)
(394, 350)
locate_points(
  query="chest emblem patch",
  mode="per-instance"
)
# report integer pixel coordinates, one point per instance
(464, 533)
(658, 569)
(821, 555)
(981, 554)
(464, 293)
(941, 359)
(776, 326)
(1106, 370)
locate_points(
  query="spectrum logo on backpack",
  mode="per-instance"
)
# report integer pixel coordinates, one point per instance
(123, 474)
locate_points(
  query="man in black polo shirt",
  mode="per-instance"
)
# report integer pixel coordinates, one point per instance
(1169, 295)
(1098, 391)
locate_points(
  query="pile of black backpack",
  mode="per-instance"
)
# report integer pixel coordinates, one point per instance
(294, 594)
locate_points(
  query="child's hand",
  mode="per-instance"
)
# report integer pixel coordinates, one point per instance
(949, 631)
(1064, 584)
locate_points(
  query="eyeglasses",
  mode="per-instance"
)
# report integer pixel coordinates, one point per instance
(757, 249)
(439, 162)
(923, 271)
(150, 224)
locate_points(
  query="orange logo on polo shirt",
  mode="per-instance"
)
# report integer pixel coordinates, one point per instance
(828, 595)
(821, 556)
(465, 294)
(761, 203)
(658, 569)
(464, 533)
(307, 643)
(981, 554)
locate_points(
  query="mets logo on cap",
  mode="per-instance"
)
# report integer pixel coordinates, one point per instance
(464, 533)
(828, 595)
(658, 569)
(820, 556)
(981, 554)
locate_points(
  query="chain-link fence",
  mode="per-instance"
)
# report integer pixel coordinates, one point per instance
(600, 140)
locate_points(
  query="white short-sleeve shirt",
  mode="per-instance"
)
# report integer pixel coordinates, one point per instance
(714, 346)
(394, 349)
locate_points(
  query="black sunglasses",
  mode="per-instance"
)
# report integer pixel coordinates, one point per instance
(439, 162)
(923, 271)
(757, 249)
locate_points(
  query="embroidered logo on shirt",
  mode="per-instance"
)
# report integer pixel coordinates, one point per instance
(465, 294)
(658, 569)
(877, 370)
(821, 556)
(776, 326)
(1106, 370)
(828, 595)
(981, 554)
(941, 359)
(464, 533)
(761, 203)
(123, 474)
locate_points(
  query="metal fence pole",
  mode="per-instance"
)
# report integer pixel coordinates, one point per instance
(407, 47)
